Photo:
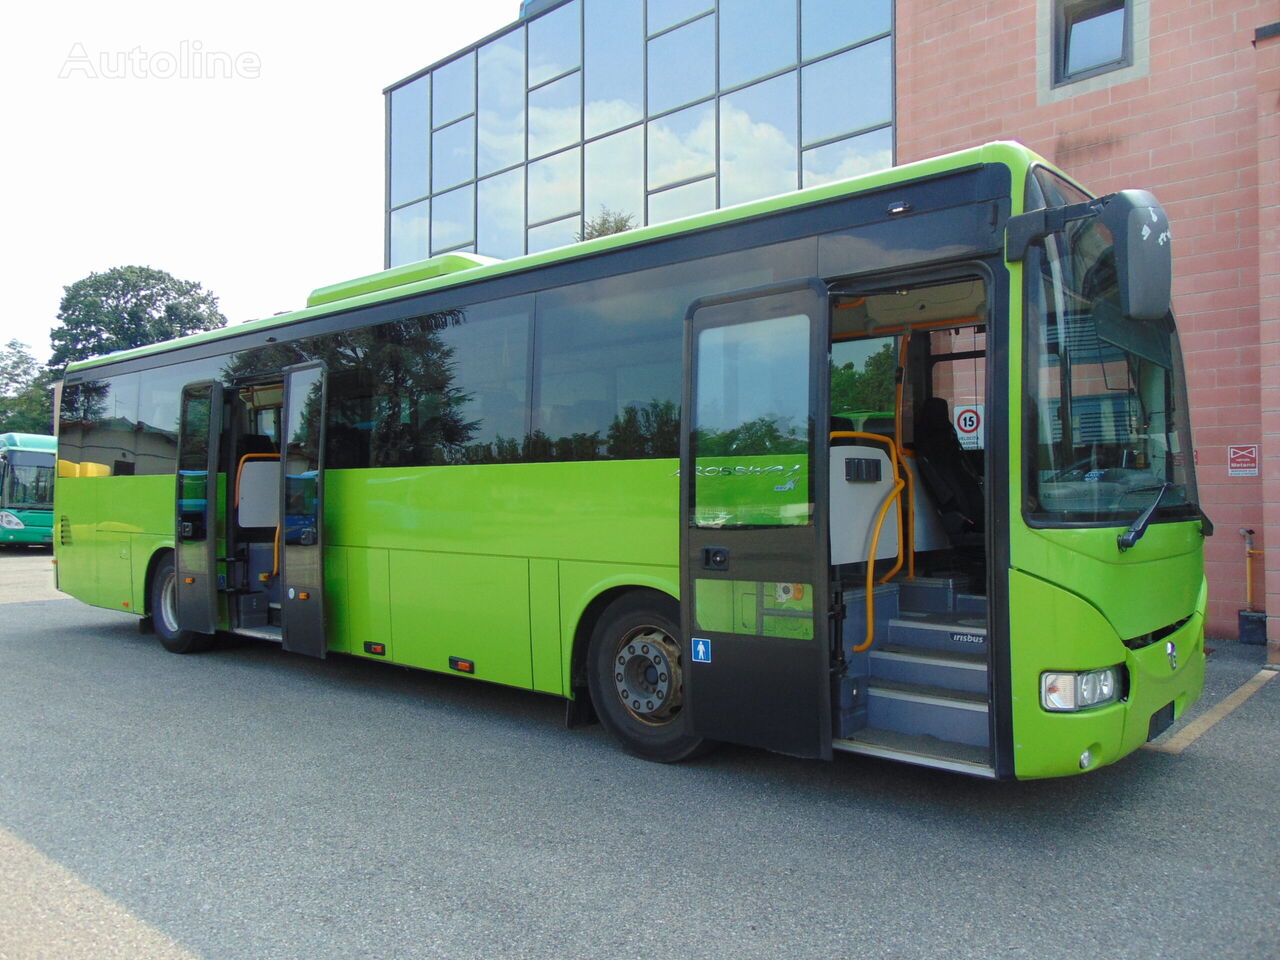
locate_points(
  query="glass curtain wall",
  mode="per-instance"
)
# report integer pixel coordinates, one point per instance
(646, 109)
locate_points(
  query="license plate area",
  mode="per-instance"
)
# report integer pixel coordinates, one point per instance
(1161, 720)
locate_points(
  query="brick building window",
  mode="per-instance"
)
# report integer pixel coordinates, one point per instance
(1090, 37)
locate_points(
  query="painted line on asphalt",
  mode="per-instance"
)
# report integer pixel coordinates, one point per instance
(1194, 730)
(48, 913)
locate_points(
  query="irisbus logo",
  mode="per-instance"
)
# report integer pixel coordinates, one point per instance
(754, 470)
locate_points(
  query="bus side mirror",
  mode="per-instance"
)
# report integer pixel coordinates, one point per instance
(1140, 235)
(1144, 261)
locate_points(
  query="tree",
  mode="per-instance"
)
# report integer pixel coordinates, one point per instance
(128, 307)
(25, 404)
(607, 222)
(862, 391)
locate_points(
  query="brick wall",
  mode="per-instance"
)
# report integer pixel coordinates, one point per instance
(1184, 122)
(1268, 104)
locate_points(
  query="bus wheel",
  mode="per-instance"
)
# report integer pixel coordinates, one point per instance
(164, 611)
(636, 679)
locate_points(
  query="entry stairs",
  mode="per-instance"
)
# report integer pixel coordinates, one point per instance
(921, 693)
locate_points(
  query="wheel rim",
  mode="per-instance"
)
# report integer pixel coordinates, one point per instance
(169, 603)
(647, 675)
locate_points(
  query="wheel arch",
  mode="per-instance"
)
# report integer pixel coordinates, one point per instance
(153, 561)
(590, 615)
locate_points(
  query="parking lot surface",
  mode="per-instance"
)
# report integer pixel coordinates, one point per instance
(247, 804)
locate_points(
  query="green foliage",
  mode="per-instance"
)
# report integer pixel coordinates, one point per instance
(871, 388)
(128, 307)
(649, 431)
(606, 223)
(763, 435)
(26, 404)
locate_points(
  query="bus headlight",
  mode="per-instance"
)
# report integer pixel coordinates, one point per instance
(1068, 692)
(10, 522)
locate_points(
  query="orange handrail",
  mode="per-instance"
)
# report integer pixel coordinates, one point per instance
(894, 494)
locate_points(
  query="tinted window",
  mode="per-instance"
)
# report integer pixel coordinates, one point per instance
(827, 108)
(758, 141)
(410, 141)
(615, 175)
(447, 387)
(755, 39)
(158, 409)
(451, 219)
(453, 90)
(831, 24)
(453, 158)
(500, 215)
(664, 13)
(97, 425)
(614, 64)
(608, 353)
(682, 146)
(849, 158)
(409, 233)
(555, 186)
(500, 116)
(682, 65)
(553, 44)
(555, 114)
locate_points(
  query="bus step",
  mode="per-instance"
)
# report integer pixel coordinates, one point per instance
(949, 669)
(261, 633)
(931, 594)
(971, 603)
(920, 749)
(916, 709)
(939, 631)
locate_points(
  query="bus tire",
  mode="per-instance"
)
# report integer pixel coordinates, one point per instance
(164, 616)
(635, 675)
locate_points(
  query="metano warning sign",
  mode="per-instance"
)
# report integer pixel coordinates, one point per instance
(1242, 460)
(967, 418)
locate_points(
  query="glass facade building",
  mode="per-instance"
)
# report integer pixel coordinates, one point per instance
(653, 109)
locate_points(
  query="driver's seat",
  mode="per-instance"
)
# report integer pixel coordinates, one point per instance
(947, 474)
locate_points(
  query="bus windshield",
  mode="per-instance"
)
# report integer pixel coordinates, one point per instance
(1106, 419)
(30, 480)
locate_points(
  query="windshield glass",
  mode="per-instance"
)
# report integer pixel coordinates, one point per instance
(1106, 418)
(29, 480)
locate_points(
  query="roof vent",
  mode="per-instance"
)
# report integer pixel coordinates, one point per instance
(531, 8)
(439, 266)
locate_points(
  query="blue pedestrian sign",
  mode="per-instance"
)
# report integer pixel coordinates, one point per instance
(701, 650)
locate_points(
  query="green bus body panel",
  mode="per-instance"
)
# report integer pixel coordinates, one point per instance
(1059, 630)
(1143, 589)
(495, 563)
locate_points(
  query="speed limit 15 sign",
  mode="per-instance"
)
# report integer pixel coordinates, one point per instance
(967, 418)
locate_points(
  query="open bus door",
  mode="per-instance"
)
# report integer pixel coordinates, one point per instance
(196, 508)
(302, 510)
(755, 579)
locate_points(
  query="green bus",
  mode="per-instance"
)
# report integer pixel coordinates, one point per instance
(611, 473)
(26, 488)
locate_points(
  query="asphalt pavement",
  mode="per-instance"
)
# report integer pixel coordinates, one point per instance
(247, 804)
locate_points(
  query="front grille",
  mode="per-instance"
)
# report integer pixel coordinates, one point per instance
(1155, 636)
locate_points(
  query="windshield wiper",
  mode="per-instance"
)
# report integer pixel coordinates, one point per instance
(1139, 526)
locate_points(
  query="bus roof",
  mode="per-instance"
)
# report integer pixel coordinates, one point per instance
(447, 270)
(34, 442)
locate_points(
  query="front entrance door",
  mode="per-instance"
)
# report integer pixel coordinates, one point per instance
(754, 578)
(302, 510)
(196, 507)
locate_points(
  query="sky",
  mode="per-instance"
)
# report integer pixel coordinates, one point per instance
(239, 145)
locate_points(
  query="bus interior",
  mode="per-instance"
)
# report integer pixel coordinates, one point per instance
(908, 531)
